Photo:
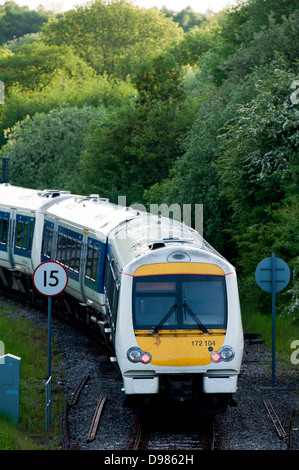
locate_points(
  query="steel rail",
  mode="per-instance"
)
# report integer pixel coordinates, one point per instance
(64, 428)
(274, 418)
(141, 435)
(287, 424)
(96, 419)
(137, 441)
(79, 388)
(212, 436)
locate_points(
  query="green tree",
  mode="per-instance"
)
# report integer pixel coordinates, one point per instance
(259, 169)
(194, 44)
(39, 77)
(186, 18)
(45, 151)
(259, 166)
(35, 65)
(113, 36)
(16, 21)
(109, 167)
(275, 38)
(162, 117)
(239, 34)
(193, 178)
(139, 142)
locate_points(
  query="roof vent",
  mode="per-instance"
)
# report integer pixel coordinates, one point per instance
(156, 245)
(51, 193)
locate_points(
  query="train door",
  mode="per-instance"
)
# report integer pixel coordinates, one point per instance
(11, 234)
(4, 236)
(93, 269)
(112, 290)
(48, 242)
(23, 230)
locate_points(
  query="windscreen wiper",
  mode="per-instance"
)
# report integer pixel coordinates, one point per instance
(164, 319)
(195, 318)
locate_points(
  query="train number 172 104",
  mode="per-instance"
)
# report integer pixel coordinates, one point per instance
(203, 343)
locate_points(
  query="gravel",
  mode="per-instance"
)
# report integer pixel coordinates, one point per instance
(246, 426)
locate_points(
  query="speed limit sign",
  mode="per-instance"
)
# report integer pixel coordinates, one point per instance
(50, 278)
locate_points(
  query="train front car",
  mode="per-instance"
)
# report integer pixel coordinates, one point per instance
(179, 334)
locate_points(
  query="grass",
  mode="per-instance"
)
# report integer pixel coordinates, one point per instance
(21, 338)
(286, 333)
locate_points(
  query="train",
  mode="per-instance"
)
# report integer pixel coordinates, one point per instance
(153, 288)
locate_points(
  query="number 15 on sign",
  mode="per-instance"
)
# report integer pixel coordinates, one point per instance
(50, 278)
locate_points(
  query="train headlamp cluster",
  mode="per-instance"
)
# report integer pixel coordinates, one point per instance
(137, 355)
(225, 354)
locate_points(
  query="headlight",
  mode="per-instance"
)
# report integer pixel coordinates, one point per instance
(137, 355)
(225, 354)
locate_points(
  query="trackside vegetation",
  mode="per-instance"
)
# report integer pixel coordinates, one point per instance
(23, 339)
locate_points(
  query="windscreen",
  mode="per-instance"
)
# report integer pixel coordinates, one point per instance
(181, 301)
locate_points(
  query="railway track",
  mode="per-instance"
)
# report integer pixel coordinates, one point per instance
(150, 438)
(161, 436)
(65, 437)
(148, 434)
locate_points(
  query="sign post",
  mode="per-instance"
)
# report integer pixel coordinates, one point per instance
(49, 279)
(272, 275)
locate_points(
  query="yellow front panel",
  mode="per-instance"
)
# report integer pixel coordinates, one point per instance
(178, 268)
(180, 348)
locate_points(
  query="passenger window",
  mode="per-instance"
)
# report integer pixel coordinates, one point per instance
(92, 263)
(59, 247)
(78, 256)
(47, 244)
(31, 234)
(24, 233)
(89, 262)
(69, 250)
(63, 249)
(19, 235)
(4, 231)
(73, 254)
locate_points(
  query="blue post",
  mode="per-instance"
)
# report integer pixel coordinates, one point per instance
(48, 403)
(273, 318)
(49, 335)
(49, 384)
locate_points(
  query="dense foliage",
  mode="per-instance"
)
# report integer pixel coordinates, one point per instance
(167, 107)
(16, 21)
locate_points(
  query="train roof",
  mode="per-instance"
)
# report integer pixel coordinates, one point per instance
(92, 213)
(148, 232)
(125, 225)
(24, 198)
